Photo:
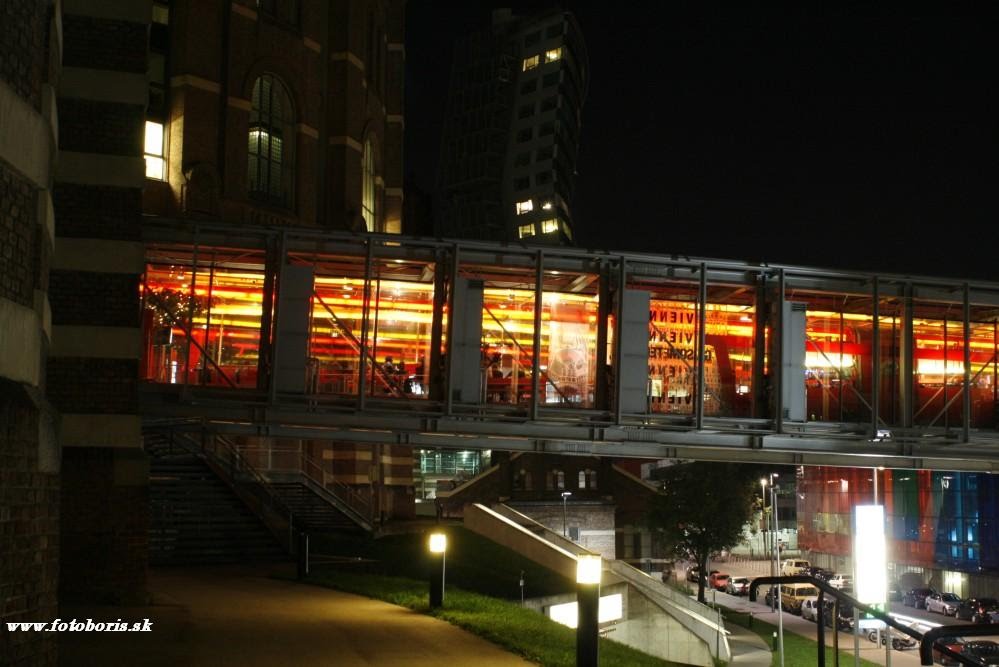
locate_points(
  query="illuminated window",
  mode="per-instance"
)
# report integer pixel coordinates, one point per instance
(525, 207)
(530, 63)
(546, 206)
(549, 226)
(368, 201)
(551, 55)
(525, 230)
(270, 162)
(155, 164)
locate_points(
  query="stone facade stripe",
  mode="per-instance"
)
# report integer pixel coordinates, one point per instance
(20, 353)
(94, 169)
(25, 138)
(239, 103)
(244, 11)
(97, 430)
(193, 81)
(98, 255)
(350, 142)
(104, 85)
(338, 56)
(96, 341)
(134, 11)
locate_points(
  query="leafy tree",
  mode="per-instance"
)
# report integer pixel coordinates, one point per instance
(701, 509)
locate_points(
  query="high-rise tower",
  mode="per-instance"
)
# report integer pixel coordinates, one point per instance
(511, 132)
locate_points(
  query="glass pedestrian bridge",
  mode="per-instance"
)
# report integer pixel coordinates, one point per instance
(471, 345)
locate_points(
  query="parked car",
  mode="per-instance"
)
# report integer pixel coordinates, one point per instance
(899, 640)
(792, 595)
(695, 571)
(738, 586)
(793, 566)
(943, 603)
(845, 619)
(718, 580)
(770, 599)
(842, 581)
(810, 609)
(983, 650)
(955, 644)
(977, 610)
(817, 572)
(916, 597)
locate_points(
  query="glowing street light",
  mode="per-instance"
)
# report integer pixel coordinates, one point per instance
(565, 495)
(589, 568)
(438, 547)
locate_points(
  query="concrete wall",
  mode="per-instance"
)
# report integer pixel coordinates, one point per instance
(30, 66)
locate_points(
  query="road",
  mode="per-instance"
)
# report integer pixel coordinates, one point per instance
(798, 625)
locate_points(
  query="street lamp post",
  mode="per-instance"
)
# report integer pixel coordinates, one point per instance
(588, 572)
(565, 495)
(780, 610)
(763, 515)
(438, 547)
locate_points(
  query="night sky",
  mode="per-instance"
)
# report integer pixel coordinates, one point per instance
(848, 140)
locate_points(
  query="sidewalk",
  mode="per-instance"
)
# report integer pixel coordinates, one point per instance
(241, 616)
(748, 649)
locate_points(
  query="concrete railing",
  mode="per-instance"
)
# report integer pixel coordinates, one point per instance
(699, 619)
(506, 532)
(541, 530)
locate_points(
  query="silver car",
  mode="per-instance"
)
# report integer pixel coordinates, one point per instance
(943, 603)
(810, 608)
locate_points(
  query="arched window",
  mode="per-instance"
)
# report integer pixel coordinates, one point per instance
(271, 159)
(522, 481)
(556, 480)
(368, 199)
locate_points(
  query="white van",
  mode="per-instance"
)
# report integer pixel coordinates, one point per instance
(793, 566)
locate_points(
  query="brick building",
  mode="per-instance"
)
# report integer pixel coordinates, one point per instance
(274, 113)
(30, 45)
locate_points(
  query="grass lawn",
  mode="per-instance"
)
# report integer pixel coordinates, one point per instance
(483, 591)
(502, 622)
(473, 562)
(798, 650)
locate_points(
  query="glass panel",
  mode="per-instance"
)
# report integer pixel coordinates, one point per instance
(938, 357)
(673, 328)
(507, 328)
(838, 359)
(208, 335)
(401, 318)
(335, 333)
(729, 350)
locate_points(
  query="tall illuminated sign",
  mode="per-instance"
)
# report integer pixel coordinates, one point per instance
(870, 554)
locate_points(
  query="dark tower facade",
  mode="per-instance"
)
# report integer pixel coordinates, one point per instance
(512, 128)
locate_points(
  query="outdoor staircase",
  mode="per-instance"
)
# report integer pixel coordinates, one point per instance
(198, 518)
(312, 513)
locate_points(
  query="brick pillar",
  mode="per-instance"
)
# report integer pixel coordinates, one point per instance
(94, 360)
(29, 456)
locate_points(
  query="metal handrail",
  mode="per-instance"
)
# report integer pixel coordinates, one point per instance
(343, 492)
(926, 640)
(312, 471)
(217, 449)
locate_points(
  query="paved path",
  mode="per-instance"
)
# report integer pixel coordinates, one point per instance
(240, 616)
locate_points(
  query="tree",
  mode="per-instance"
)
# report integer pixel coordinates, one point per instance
(702, 508)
